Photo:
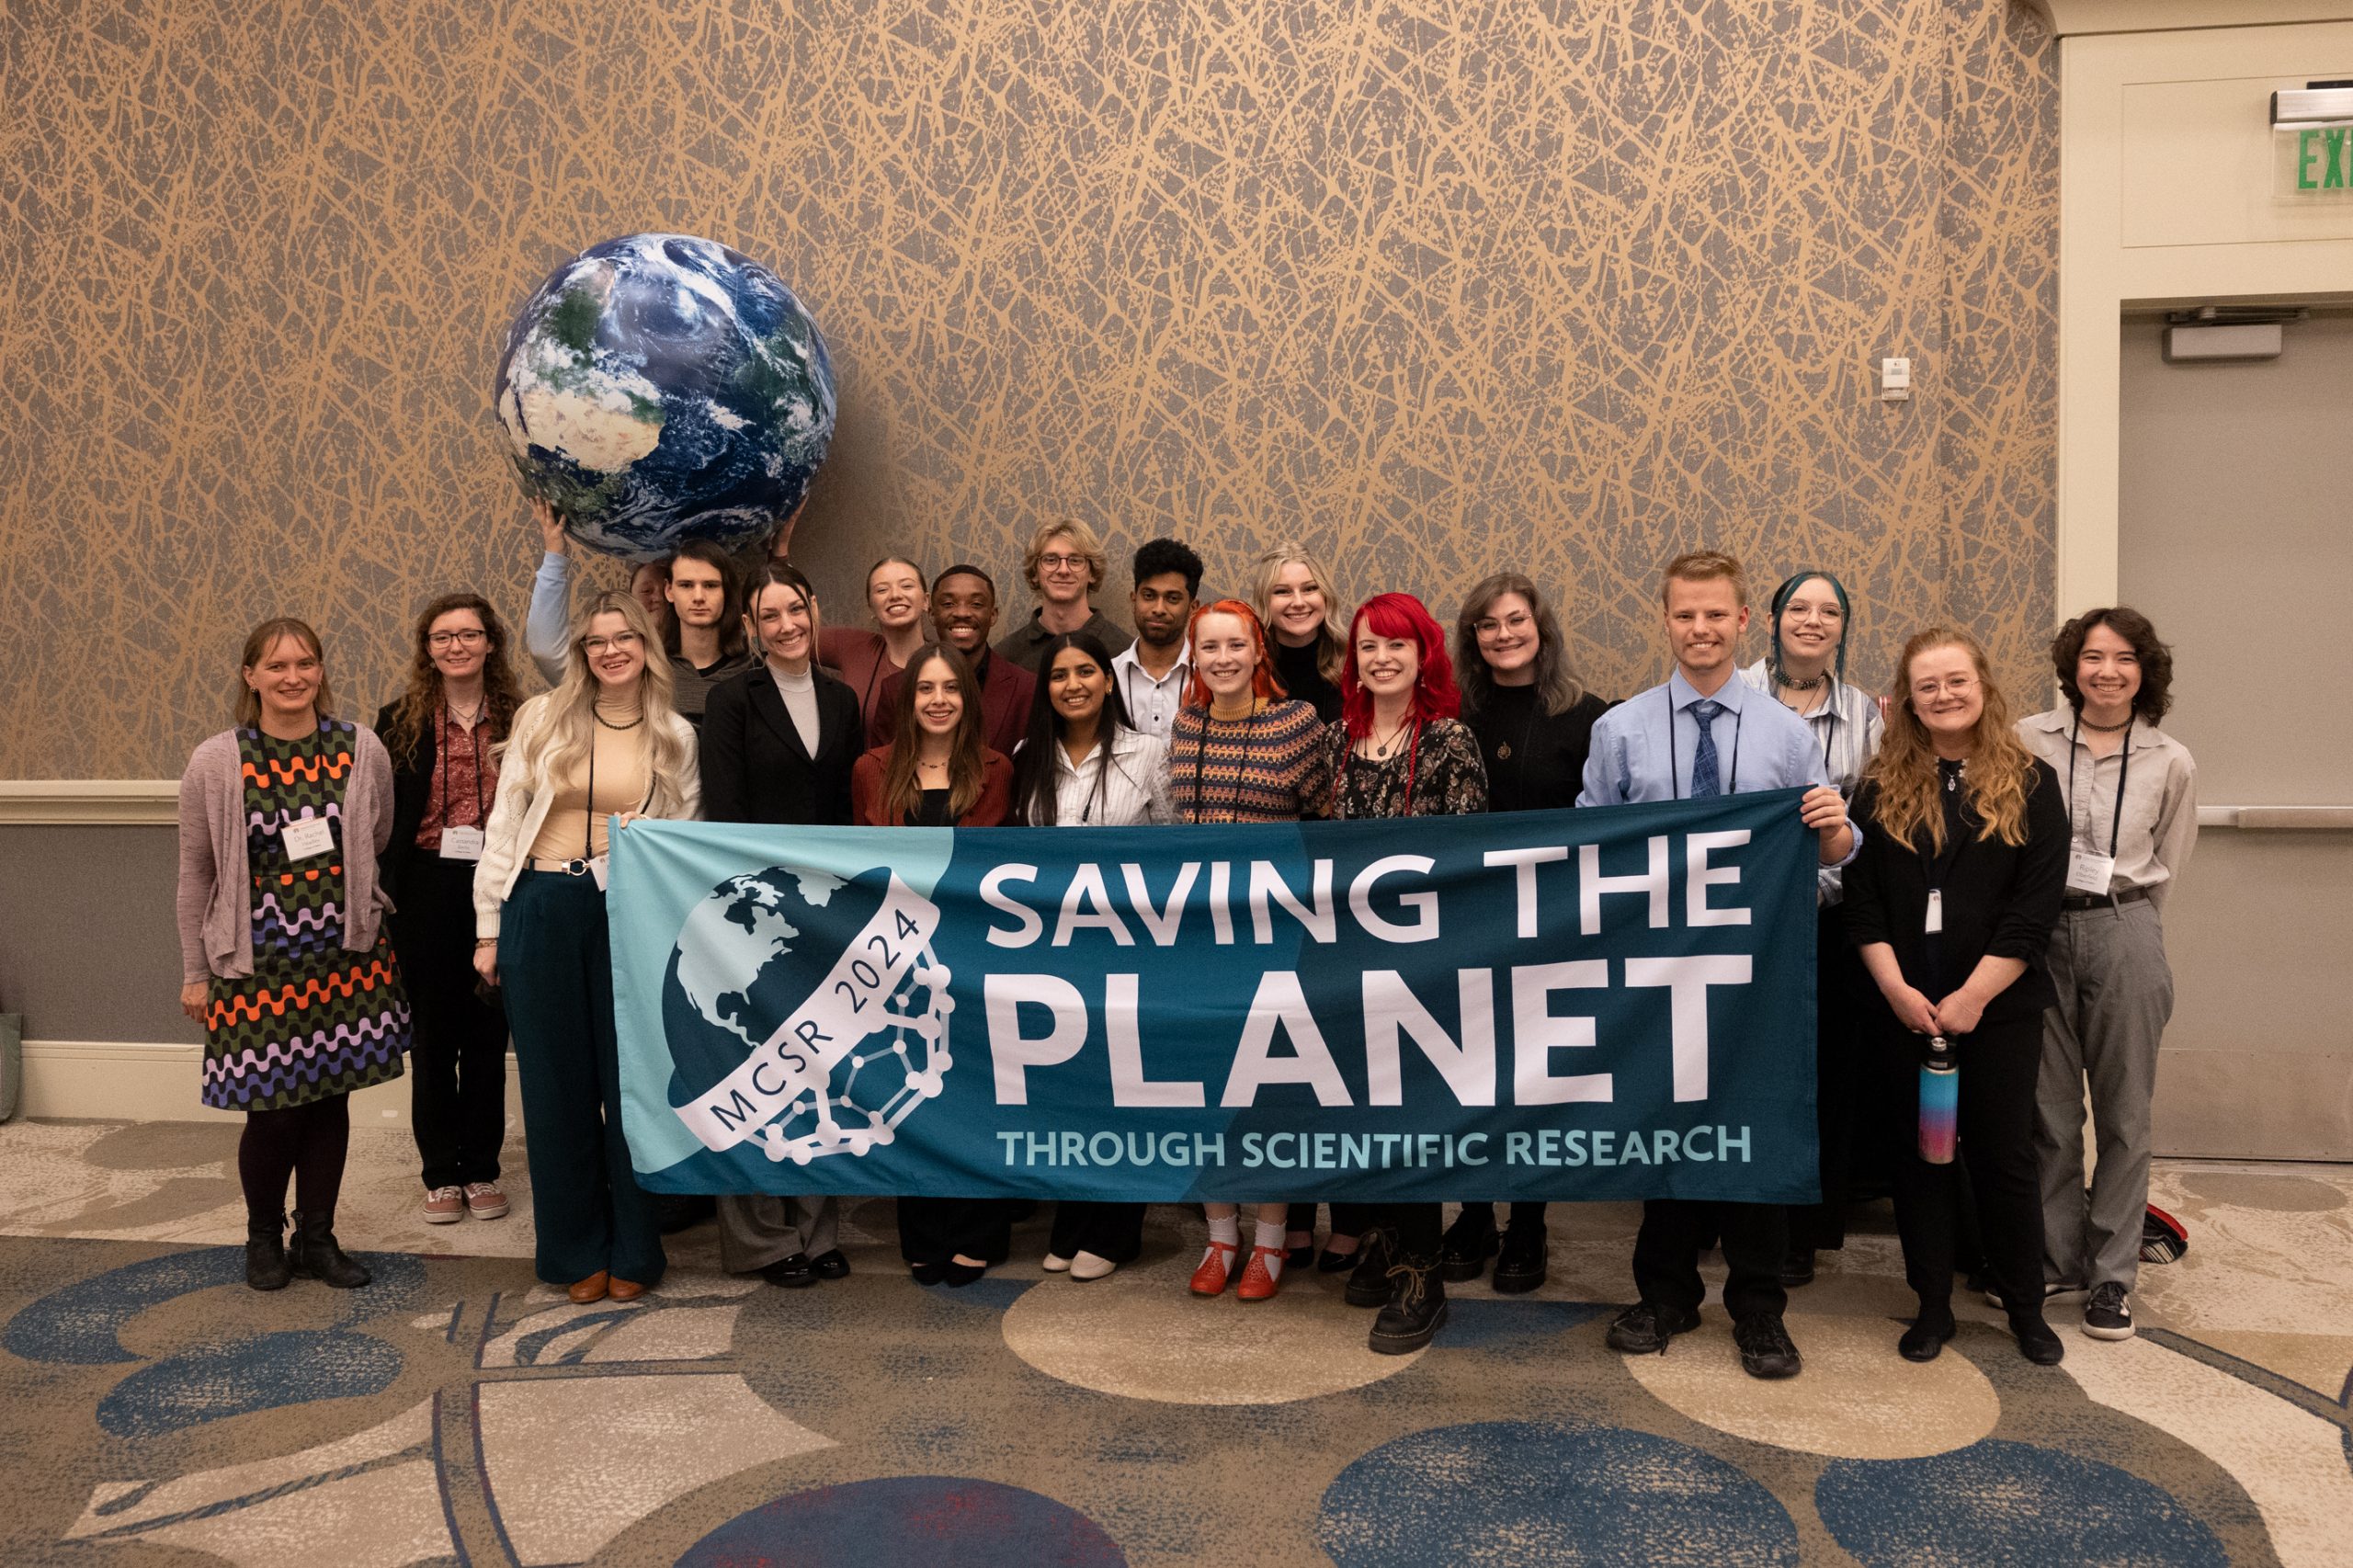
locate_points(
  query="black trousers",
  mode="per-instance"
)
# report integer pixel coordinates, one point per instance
(933, 1230)
(1529, 1214)
(1999, 1065)
(1419, 1228)
(1666, 1254)
(1112, 1231)
(457, 1068)
(1842, 1083)
(1347, 1219)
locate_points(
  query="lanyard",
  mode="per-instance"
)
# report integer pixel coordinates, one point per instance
(2123, 771)
(441, 761)
(1674, 767)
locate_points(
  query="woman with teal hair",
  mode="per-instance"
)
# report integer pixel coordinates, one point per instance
(1812, 622)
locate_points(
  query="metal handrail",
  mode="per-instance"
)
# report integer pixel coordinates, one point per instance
(2278, 819)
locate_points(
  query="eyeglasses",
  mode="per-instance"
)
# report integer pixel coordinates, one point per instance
(471, 637)
(1958, 685)
(592, 646)
(1491, 626)
(1062, 563)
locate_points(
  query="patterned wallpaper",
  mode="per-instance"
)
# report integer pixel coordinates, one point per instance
(1438, 288)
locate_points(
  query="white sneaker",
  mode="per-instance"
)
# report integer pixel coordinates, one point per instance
(1056, 1263)
(1087, 1265)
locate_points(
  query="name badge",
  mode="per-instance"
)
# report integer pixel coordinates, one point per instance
(1936, 921)
(311, 835)
(462, 843)
(2087, 872)
(599, 869)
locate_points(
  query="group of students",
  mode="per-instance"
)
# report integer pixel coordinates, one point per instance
(1991, 885)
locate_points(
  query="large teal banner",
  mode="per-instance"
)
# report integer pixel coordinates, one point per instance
(1598, 1003)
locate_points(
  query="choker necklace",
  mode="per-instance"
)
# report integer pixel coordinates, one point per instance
(632, 724)
(1788, 685)
(2104, 728)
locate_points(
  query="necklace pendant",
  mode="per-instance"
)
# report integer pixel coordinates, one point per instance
(1502, 752)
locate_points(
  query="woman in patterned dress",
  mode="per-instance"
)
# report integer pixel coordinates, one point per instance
(283, 956)
(1399, 751)
(1239, 752)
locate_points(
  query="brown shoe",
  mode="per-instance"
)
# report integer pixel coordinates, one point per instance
(626, 1291)
(593, 1288)
(484, 1201)
(445, 1205)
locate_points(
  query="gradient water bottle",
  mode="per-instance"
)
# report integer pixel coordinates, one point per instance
(1940, 1101)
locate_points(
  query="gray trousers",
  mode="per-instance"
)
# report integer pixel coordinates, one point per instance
(755, 1230)
(2115, 995)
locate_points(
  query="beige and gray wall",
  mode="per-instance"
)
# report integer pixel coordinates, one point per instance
(1437, 289)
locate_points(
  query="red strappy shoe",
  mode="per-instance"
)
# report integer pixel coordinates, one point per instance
(1217, 1267)
(1260, 1283)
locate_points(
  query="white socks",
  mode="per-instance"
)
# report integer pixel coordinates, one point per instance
(1270, 1237)
(1226, 1231)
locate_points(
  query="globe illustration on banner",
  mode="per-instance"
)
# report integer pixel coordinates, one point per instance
(660, 387)
(748, 955)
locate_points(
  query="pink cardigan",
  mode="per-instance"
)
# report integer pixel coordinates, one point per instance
(216, 885)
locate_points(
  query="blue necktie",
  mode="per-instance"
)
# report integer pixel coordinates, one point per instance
(1705, 783)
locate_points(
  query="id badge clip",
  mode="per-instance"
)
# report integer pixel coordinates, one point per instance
(1936, 921)
(310, 836)
(462, 843)
(600, 868)
(2087, 872)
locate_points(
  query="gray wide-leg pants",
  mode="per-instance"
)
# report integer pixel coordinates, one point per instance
(2115, 995)
(755, 1230)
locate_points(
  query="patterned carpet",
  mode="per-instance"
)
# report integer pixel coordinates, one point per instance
(157, 1411)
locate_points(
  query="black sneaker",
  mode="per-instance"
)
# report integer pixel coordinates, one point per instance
(1766, 1350)
(1520, 1261)
(1369, 1283)
(1469, 1243)
(1644, 1330)
(1414, 1311)
(2108, 1314)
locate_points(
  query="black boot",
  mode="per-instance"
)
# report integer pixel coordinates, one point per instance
(265, 1266)
(1469, 1243)
(1416, 1307)
(314, 1254)
(1369, 1284)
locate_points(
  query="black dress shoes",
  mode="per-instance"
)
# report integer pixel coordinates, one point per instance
(830, 1264)
(793, 1273)
(1469, 1243)
(1520, 1261)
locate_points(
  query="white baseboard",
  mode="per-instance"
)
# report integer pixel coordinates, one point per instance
(136, 1081)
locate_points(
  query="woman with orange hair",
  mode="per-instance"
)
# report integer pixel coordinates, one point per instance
(1239, 752)
(1399, 751)
(1950, 903)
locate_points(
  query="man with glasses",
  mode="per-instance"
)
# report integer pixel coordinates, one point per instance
(1706, 733)
(1066, 565)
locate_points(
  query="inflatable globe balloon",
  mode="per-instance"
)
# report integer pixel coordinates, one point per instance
(661, 388)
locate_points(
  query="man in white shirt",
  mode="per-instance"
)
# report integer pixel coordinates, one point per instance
(1149, 674)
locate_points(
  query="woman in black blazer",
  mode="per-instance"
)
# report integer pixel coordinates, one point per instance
(444, 732)
(778, 745)
(1950, 903)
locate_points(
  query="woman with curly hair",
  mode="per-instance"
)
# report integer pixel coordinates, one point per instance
(443, 732)
(2132, 797)
(1951, 902)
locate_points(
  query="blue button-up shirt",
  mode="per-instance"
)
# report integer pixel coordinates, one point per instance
(1643, 749)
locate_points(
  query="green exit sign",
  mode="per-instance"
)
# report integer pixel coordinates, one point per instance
(2315, 159)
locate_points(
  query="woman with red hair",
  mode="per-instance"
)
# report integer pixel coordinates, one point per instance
(1239, 752)
(1399, 751)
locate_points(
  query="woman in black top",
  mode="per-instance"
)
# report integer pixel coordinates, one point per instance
(1534, 724)
(444, 733)
(1951, 902)
(778, 741)
(1296, 604)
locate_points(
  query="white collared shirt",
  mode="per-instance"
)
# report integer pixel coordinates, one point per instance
(1152, 704)
(1132, 786)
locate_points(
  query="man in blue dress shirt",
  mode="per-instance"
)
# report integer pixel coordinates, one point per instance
(1706, 733)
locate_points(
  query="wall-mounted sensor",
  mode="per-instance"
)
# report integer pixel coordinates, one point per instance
(1894, 380)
